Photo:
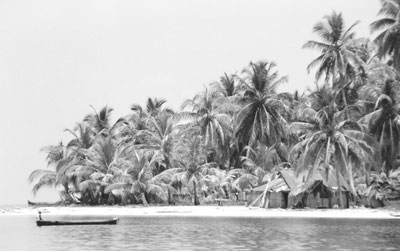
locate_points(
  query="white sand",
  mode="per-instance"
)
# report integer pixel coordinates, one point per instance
(202, 211)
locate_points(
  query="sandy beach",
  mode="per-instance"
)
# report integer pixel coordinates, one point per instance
(201, 211)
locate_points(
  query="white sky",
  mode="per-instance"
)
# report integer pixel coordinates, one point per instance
(59, 57)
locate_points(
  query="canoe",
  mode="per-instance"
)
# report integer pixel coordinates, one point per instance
(40, 223)
(42, 204)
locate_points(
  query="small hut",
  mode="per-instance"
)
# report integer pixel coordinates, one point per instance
(320, 190)
(275, 194)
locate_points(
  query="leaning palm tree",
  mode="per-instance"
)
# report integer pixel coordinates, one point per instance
(388, 39)
(384, 122)
(338, 58)
(261, 118)
(59, 157)
(327, 139)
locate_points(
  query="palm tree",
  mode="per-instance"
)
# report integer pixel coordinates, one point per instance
(215, 127)
(327, 139)
(159, 136)
(83, 138)
(190, 162)
(99, 122)
(388, 39)
(104, 154)
(261, 118)
(265, 157)
(220, 181)
(384, 122)
(59, 157)
(338, 58)
(226, 85)
(153, 107)
(136, 176)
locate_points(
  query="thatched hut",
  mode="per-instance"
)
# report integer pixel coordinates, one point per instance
(320, 190)
(275, 194)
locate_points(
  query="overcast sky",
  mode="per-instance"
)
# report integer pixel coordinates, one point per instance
(59, 57)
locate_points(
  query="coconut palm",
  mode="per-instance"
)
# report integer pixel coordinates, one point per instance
(261, 118)
(104, 154)
(215, 127)
(83, 136)
(388, 38)
(226, 86)
(153, 107)
(328, 139)
(136, 176)
(262, 159)
(220, 181)
(159, 136)
(58, 158)
(384, 122)
(338, 58)
(99, 122)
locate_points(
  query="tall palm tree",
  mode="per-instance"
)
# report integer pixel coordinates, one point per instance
(226, 85)
(59, 157)
(215, 127)
(388, 39)
(384, 122)
(159, 137)
(327, 139)
(261, 118)
(338, 58)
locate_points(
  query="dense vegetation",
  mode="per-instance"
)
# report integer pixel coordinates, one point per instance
(239, 130)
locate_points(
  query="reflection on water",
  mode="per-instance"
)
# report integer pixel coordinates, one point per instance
(197, 233)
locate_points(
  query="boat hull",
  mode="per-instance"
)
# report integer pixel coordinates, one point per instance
(42, 204)
(40, 223)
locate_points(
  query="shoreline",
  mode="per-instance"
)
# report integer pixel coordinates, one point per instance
(202, 211)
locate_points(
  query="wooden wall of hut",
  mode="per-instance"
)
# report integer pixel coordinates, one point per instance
(277, 200)
(314, 200)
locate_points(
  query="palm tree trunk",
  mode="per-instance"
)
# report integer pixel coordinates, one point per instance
(367, 173)
(196, 202)
(169, 196)
(351, 180)
(145, 203)
(339, 188)
(345, 103)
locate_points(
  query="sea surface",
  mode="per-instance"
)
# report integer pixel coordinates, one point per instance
(203, 233)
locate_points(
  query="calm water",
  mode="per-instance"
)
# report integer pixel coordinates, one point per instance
(197, 233)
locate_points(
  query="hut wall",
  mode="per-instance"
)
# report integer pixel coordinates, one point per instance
(252, 196)
(315, 201)
(276, 200)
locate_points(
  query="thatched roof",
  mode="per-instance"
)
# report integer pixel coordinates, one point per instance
(327, 179)
(289, 177)
(283, 181)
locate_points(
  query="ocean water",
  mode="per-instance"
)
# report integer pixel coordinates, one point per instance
(203, 233)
